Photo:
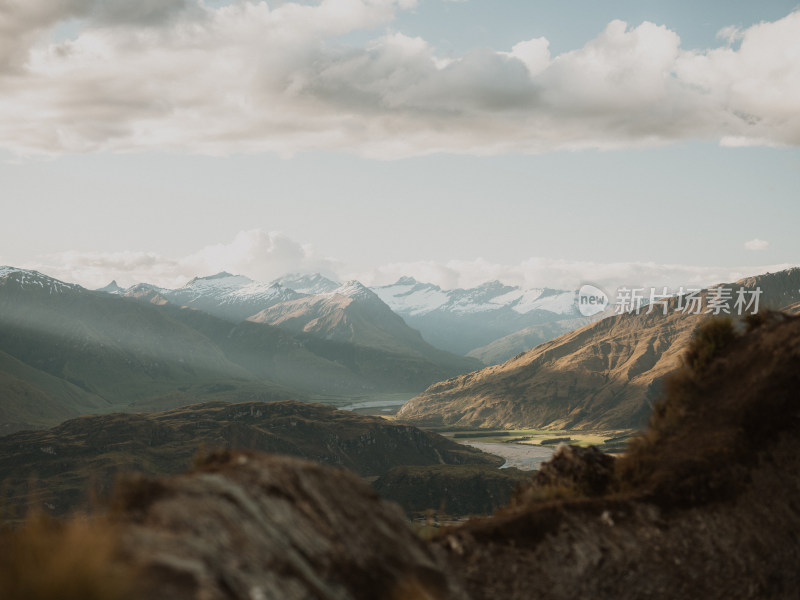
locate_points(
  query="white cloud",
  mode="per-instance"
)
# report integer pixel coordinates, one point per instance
(261, 255)
(537, 272)
(265, 256)
(534, 54)
(249, 77)
(22, 22)
(258, 254)
(756, 244)
(730, 34)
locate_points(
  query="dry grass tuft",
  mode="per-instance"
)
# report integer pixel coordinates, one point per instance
(708, 341)
(735, 393)
(44, 559)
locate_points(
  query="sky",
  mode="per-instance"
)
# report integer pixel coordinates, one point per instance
(537, 142)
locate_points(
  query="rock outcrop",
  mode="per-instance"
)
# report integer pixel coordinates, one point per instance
(261, 527)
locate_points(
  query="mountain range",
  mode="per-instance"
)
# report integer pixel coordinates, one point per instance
(66, 351)
(460, 321)
(233, 297)
(465, 321)
(605, 375)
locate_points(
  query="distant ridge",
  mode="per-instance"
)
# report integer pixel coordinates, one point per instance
(310, 284)
(111, 288)
(354, 314)
(605, 375)
(461, 321)
(466, 320)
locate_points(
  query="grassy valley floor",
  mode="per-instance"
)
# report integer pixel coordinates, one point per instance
(526, 449)
(609, 441)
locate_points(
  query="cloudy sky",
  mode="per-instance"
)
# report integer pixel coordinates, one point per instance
(539, 142)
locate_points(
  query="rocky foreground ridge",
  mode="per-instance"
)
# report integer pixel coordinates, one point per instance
(703, 505)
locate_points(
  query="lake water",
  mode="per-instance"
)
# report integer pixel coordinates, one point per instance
(374, 404)
(525, 457)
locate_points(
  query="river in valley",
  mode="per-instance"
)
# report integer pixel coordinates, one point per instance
(525, 457)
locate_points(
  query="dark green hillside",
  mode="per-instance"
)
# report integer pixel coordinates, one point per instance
(111, 347)
(270, 353)
(56, 468)
(30, 398)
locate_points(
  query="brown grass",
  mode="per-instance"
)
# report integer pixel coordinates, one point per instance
(734, 394)
(70, 560)
(709, 340)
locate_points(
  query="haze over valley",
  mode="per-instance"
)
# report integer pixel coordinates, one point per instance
(399, 299)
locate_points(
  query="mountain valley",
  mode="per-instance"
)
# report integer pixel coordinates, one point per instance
(66, 351)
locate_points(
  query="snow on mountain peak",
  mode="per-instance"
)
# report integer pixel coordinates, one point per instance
(219, 279)
(217, 285)
(355, 290)
(406, 281)
(34, 279)
(409, 297)
(111, 288)
(494, 284)
(256, 290)
(557, 301)
(312, 284)
(5, 271)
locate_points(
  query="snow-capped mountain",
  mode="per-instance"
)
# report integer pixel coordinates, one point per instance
(307, 284)
(112, 288)
(354, 314)
(211, 286)
(458, 321)
(409, 297)
(349, 313)
(233, 297)
(66, 350)
(145, 292)
(28, 279)
(354, 290)
(461, 320)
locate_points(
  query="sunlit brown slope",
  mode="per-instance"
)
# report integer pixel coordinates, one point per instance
(604, 375)
(353, 314)
(703, 504)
